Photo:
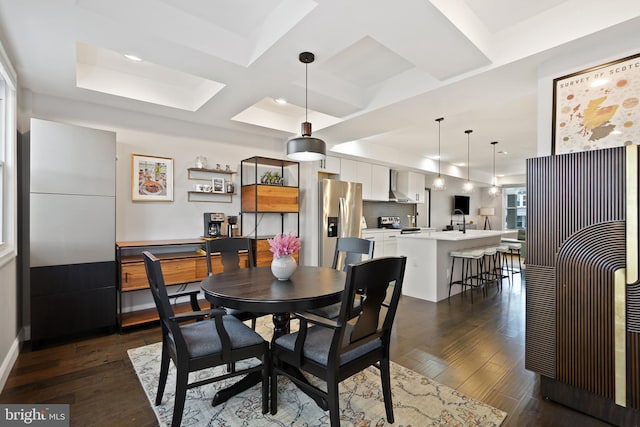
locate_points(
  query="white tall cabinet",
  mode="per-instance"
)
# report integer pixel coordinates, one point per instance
(71, 229)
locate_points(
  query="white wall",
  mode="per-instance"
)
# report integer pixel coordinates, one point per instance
(442, 204)
(180, 218)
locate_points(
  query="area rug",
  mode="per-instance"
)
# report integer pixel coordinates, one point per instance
(417, 400)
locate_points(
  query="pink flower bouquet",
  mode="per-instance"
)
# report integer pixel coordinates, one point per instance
(284, 244)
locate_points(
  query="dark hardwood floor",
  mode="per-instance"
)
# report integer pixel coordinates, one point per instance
(475, 348)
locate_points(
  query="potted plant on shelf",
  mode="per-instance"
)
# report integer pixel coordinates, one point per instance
(283, 246)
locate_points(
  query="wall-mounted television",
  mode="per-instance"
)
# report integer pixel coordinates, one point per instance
(462, 203)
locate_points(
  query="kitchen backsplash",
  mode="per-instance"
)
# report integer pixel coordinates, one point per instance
(372, 210)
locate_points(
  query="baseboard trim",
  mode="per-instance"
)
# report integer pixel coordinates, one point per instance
(9, 361)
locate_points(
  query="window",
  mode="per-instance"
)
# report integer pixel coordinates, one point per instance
(515, 208)
(3, 150)
(8, 172)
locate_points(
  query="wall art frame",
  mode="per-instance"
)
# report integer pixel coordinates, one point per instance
(597, 108)
(151, 178)
(217, 185)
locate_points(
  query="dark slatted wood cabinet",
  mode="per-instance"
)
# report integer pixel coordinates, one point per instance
(583, 299)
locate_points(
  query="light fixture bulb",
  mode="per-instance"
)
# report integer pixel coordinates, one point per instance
(132, 57)
(438, 184)
(467, 187)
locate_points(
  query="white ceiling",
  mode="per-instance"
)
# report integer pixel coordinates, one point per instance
(384, 71)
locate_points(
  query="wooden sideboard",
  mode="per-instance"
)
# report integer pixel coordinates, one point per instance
(183, 261)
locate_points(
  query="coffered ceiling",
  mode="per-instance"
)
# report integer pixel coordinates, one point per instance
(383, 70)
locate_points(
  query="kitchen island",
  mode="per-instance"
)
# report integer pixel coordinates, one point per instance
(428, 267)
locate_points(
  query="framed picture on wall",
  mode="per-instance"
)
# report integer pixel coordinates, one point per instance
(597, 108)
(151, 178)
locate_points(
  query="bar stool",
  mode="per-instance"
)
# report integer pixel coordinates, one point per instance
(514, 249)
(489, 263)
(503, 264)
(468, 258)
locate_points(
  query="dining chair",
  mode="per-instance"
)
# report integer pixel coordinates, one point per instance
(220, 339)
(349, 250)
(334, 350)
(229, 249)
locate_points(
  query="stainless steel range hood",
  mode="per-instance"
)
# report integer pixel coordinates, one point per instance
(394, 194)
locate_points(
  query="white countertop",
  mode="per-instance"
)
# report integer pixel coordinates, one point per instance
(452, 235)
(381, 230)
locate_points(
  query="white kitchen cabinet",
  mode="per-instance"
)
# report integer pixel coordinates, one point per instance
(385, 241)
(363, 175)
(379, 183)
(330, 165)
(349, 170)
(390, 243)
(412, 185)
(374, 178)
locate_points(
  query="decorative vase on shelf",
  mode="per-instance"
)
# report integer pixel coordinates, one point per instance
(283, 267)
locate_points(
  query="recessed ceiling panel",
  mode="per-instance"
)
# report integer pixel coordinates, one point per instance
(288, 117)
(106, 71)
(366, 63)
(238, 32)
(240, 17)
(500, 14)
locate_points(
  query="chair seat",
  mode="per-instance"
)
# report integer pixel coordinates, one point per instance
(490, 250)
(467, 253)
(317, 344)
(241, 315)
(202, 339)
(329, 312)
(514, 246)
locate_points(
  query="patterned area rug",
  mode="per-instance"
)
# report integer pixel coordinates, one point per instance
(417, 400)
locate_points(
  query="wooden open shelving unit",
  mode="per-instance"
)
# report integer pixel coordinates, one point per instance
(260, 198)
(183, 261)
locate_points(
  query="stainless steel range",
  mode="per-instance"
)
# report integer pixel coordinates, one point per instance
(393, 222)
(389, 222)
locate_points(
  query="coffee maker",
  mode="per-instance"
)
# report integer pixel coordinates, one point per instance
(231, 224)
(213, 224)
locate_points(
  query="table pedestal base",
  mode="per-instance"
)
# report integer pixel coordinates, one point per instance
(245, 383)
(280, 325)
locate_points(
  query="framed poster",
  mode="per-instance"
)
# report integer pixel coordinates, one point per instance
(597, 108)
(152, 178)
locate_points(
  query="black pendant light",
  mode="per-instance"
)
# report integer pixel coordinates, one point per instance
(305, 148)
(438, 183)
(494, 190)
(467, 187)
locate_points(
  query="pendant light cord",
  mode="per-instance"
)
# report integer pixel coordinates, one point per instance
(306, 92)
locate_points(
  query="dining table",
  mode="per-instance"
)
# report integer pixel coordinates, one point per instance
(256, 290)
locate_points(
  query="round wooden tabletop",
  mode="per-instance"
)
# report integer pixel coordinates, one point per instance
(257, 290)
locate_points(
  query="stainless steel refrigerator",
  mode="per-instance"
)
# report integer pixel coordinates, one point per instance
(340, 215)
